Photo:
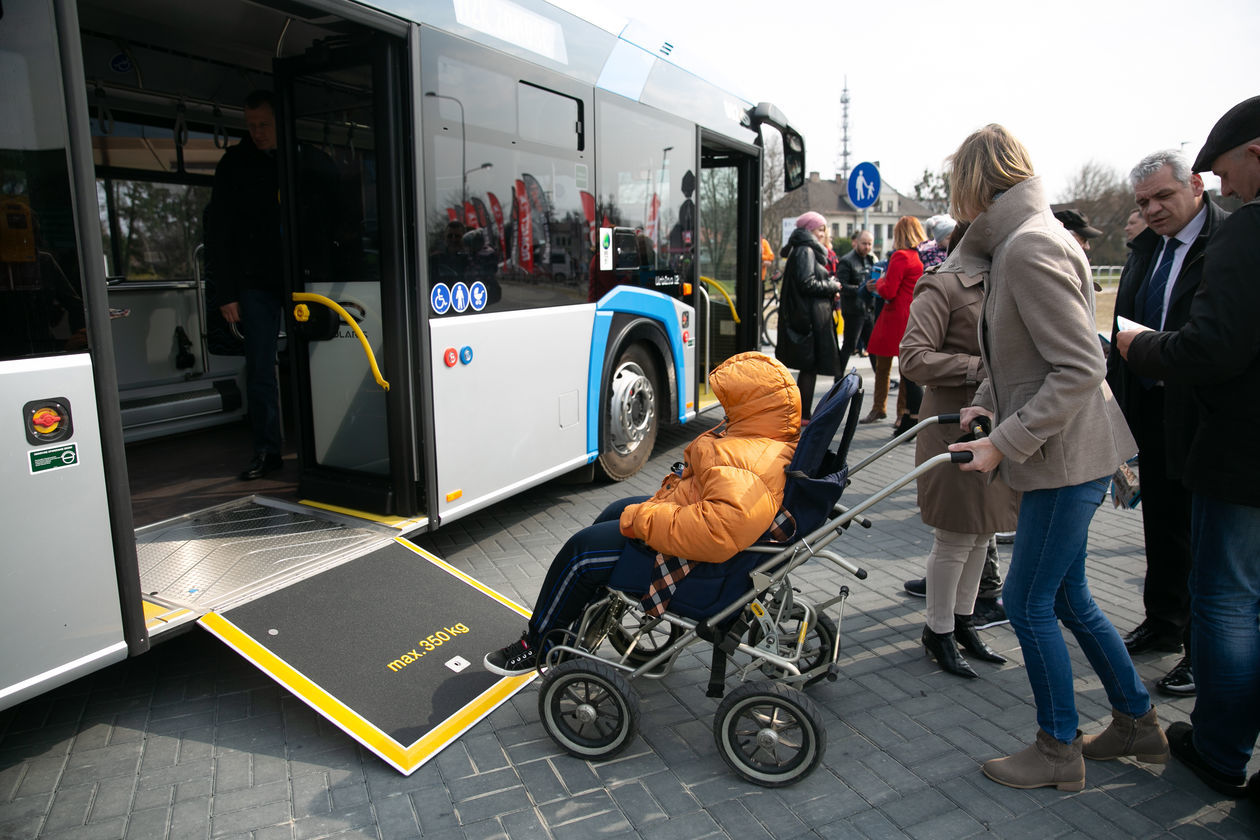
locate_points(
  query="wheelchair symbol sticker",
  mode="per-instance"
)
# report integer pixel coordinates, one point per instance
(479, 296)
(459, 297)
(440, 298)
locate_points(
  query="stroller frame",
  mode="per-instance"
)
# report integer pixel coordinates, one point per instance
(767, 730)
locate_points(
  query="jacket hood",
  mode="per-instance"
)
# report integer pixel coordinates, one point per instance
(800, 236)
(760, 397)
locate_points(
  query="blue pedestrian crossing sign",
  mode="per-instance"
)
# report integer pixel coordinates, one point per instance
(863, 186)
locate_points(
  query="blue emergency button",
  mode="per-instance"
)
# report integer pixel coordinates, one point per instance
(465, 354)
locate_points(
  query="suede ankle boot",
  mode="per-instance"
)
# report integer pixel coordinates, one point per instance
(971, 642)
(1047, 762)
(1138, 737)
(943, 648)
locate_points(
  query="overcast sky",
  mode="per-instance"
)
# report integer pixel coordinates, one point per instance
(1076, 81)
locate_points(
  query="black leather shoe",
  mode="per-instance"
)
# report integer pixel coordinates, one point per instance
(1144, 638)
(1181, 744)
(263, 463)
(943, 648)
(969, 640)
(1178, 682)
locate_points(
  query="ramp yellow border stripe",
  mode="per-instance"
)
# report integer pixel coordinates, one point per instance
(473, 582)
(405, 759)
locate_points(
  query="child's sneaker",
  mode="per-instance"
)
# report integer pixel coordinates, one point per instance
(512, 661)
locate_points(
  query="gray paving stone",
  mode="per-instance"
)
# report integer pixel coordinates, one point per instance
(111, 829)
(249, 819)
(524, 825)
(251, 797)
(395, 818)
(492, 804)
(337, 822)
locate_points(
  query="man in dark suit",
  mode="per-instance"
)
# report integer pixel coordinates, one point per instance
(1159, 280)
(853, 270)
(1217, 352)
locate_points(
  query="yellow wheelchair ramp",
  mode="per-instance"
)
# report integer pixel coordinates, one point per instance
(387, 647)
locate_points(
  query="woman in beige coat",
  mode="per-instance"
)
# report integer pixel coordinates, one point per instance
(940, 350)
(1057, 437)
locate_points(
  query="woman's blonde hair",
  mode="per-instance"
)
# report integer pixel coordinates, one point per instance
(988, 162)
(908, 233)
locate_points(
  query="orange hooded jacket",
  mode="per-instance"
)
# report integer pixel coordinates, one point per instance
(732, 484)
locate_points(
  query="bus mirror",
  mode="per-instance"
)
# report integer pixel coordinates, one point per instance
(766, 113)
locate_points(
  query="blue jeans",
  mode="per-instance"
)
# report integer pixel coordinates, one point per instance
(260, 322)
(1225, 631)
(1046, 585)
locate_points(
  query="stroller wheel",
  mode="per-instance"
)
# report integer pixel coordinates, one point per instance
(588, 709)
(769, 734)
(815, 651)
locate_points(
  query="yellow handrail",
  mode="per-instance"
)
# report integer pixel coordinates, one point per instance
(309, 297)
(715, 284)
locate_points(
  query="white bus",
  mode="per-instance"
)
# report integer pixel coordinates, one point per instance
(469, 142)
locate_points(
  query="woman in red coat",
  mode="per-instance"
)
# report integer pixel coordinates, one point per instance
(896, 287)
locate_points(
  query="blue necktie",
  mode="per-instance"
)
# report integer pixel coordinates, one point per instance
(1151, 309)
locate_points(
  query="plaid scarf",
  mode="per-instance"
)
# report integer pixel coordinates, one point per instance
(667, 573)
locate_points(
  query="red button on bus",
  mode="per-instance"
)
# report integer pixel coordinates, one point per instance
(451, 357)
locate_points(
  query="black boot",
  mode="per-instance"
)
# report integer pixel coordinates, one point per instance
(969, 640)
(942, 648)
(905, 424)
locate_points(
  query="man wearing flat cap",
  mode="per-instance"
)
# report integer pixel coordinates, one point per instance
(1078, 225)
(1218, 353)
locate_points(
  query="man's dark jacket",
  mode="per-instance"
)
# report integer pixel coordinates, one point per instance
(1179, 411)
(243, 246)
(1217, 353)
(853, 271)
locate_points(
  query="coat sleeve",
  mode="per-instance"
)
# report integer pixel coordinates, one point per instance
(1222, 337)
(735, 509)
(889, 286)
(803, 270)
(1047, 292)
(921, 358)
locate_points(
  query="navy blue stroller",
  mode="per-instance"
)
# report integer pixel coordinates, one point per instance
(767, 730)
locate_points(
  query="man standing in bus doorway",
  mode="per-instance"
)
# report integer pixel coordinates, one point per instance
(244, 253)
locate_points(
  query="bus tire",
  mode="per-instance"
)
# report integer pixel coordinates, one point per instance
(632, 406)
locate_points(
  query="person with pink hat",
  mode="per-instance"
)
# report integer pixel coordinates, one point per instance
(806, 337)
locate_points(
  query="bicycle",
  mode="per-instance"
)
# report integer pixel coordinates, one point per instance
(769, 305)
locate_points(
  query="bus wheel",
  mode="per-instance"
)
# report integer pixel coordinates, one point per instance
(632, 414)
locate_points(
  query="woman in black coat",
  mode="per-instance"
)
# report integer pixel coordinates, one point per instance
(806, 337)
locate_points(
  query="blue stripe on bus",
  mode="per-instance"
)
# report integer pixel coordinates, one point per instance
(632, 301)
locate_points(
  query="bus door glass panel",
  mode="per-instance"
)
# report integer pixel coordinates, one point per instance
(41, 305)
(647, 183)
(338, 251)
(510, 202)
(59, 602)
(718, 254)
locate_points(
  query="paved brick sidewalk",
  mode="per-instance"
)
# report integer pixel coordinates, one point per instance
(189, 741)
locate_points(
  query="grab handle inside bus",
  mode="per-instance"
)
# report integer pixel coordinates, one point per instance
(309, 297)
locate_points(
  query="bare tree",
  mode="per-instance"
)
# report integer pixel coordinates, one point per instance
(1104, 195)
(932, 191)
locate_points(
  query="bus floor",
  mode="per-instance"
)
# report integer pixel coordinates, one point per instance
(183, 473)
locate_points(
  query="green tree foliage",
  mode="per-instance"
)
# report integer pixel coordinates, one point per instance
(159, 227)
